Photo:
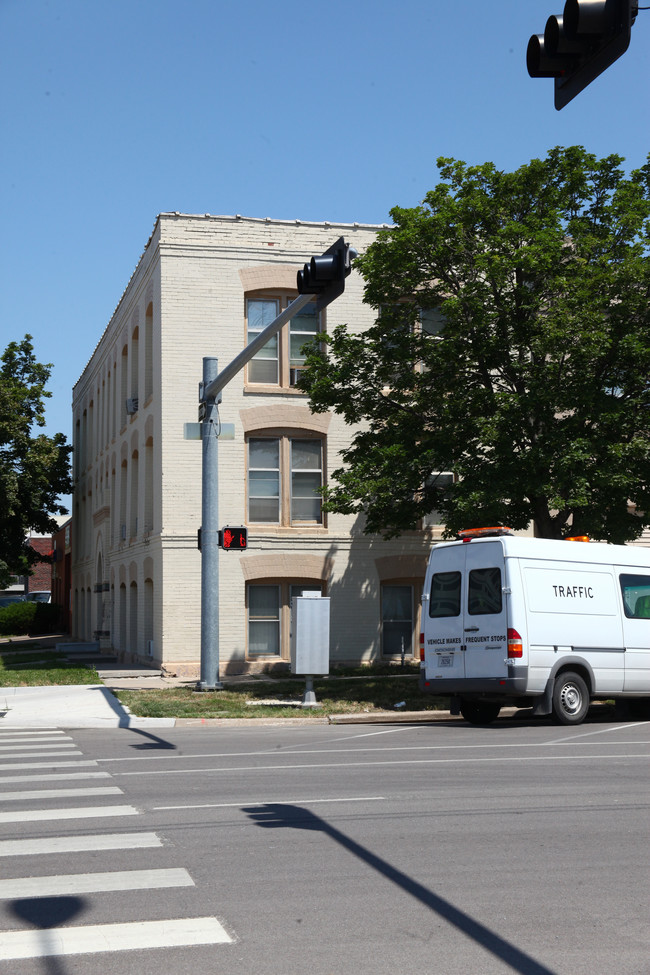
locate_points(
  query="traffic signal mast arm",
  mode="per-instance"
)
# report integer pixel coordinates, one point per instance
(322, 278)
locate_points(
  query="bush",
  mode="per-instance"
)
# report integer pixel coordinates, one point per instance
(28, 617)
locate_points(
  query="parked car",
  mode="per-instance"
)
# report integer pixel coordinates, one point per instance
(8, 600)
(40, 596)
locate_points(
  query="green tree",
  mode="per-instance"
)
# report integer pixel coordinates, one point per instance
(34, 468)
(511, 347)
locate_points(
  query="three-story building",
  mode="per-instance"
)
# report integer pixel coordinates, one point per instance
(205, 286)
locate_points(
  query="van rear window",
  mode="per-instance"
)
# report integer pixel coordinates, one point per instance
(444, 598)
(484, 593)
(636, 596)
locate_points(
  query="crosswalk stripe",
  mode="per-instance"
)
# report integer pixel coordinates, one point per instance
(35, 735)
(103, 790)
(93, 883)
(16, 732)
(78, 844)
(22, 765)
(82, 812)
(31, 746)
(40, 754)
(93, 938)
(52, 777)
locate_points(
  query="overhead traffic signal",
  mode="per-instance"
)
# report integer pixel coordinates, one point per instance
(325, 276)
(580, 44)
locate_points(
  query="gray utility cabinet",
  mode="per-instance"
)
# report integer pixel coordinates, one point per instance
(310, 635)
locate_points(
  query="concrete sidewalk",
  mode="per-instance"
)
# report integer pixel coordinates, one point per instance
(69, 706)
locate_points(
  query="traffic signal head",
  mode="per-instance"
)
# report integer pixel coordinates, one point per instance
(233, 538)
(325, 276)
(580, 44)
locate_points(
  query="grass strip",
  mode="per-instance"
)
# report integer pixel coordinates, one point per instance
(42, 668)
(248, 700)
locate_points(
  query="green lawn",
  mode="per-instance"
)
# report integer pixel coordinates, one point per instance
(34, 667)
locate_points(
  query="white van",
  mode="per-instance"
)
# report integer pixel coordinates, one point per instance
(536, 623)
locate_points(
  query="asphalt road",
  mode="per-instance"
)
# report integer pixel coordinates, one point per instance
(327, 850)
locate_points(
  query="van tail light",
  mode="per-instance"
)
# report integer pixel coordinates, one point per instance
(421, 646)
(515, 645)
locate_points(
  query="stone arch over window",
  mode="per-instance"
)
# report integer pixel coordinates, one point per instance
(268, 276)
(278, 415)
(289, 565)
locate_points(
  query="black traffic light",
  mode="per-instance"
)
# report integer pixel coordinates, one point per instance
(580, 44)
(233, 538)
(325, 275)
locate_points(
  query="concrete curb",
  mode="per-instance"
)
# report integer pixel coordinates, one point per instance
(375, 717)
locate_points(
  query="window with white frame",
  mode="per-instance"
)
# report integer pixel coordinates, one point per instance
(285, 475)
(269, 616)
(280, 361)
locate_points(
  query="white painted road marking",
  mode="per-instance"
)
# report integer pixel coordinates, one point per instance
(36, 735)
(23, 765)
(30, 746)
(83, 812)
(103, 790)
(52, 777)
(78, 844)
(93, 883)
(10, 732)
(93, 938)
(38, 754)
(274, 802)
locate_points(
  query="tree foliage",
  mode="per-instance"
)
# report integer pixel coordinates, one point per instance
(534, 389)
(34, 468)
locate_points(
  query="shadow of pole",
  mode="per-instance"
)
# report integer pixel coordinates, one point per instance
(155, 741)
(48, 913)
(278, 815)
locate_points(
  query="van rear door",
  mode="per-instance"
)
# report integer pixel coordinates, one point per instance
(443, 627)
(485, 624)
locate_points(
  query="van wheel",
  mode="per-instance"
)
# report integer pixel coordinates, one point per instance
(479, 712)
(570, 698)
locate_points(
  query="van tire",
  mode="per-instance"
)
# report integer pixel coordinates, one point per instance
(570, 698)
(479, 712)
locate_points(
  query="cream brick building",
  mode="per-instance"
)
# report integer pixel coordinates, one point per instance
(202, 284)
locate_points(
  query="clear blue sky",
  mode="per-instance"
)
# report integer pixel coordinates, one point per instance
(111, 113)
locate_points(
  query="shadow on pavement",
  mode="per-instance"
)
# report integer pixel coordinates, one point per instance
(278, 815)
(48, 913)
